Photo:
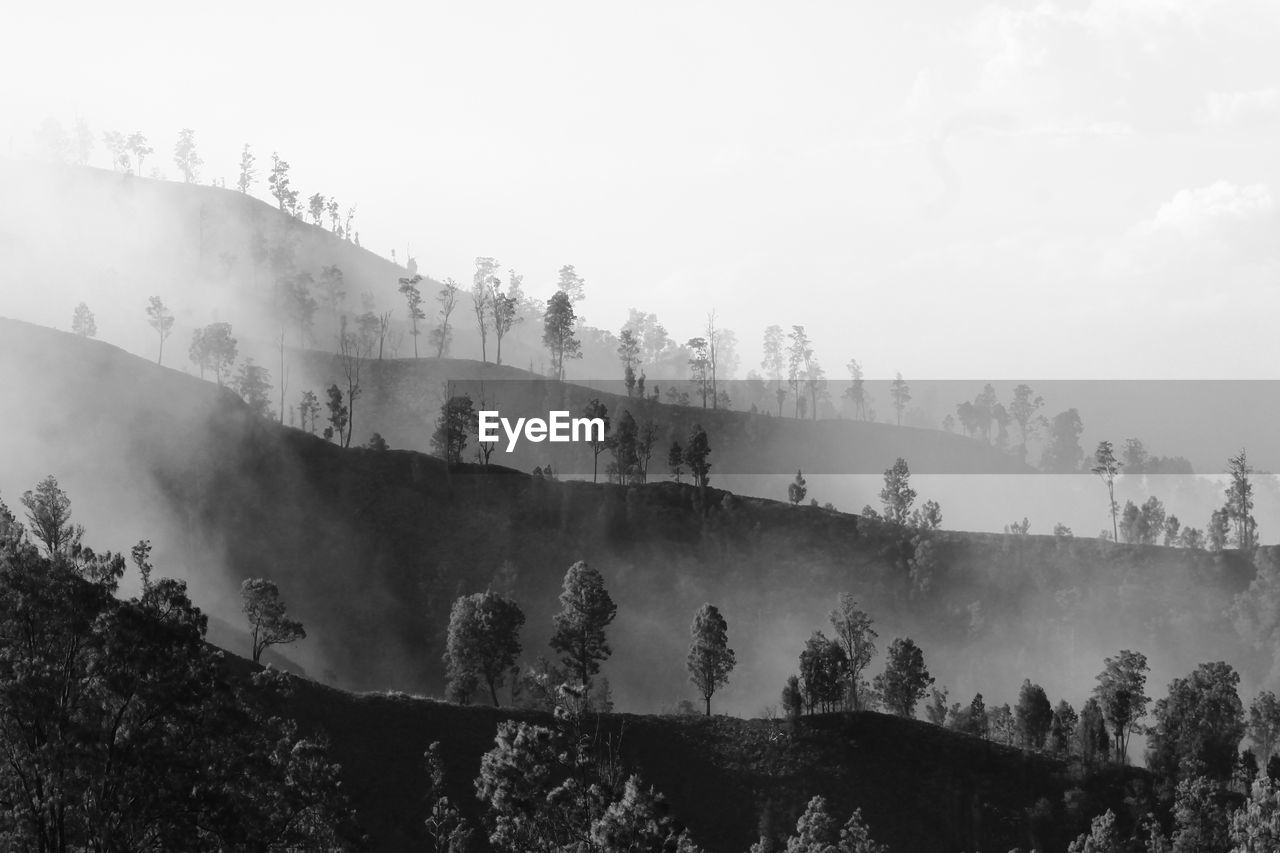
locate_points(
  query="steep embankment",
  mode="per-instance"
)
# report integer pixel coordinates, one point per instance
(371, 548)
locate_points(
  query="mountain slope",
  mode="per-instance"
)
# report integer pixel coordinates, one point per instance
(370, 548)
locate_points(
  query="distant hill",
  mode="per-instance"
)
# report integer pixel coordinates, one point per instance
(370, 548)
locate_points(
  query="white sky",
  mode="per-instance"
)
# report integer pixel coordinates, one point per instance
(952, 189)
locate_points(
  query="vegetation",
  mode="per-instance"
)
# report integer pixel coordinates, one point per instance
(586, 609)
(265, 611)
(710, 658)
(483, 644)
(123, 729)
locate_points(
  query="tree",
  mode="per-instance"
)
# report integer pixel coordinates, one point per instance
(83, 323)
(856, 393)
(253, 384)
(897, 494)
(247, 172)
(308, 411)
(557, 333)
(316, 207)
(1201, 721)
(1121, 698)
(1102, 837)
(824, 672)
(1255, 826)
(1106, 467)
(1239, 504)
(137, 145)
(338, 414)
(695, 456)
(675, 460)
(816, 831)
(447, 830)
(1062, 453)
(333, 287)
(927, 517)
(572, 284)
(629, 354)
(796, 490)
(49, 519)
(1062, 729)
(160, 319)
(639, 820)
(596, 409)
(413, 296)
(1022, 410)
(442, 335)
(1034, 715)
(185, 156)
(484, 278)
(278, 180)
(646, 437)
(214, 348)
(483, 643)
(1092, 738)
(351, 356)
(1264, 724)
(115, 143)
(900, 391)
(299, 306)
(710, 658)
(452, 429)
(792, 697)
(585, 611)
(905, 679)
(1219, 528)
(816, 384)
(505, 309)
(265, 610)
(799, 352)
(852, 629)
(625, 447)
(700, 366)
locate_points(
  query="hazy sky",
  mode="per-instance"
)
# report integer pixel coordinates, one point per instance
(950, 189)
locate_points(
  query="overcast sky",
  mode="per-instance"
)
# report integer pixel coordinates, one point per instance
(952, 189)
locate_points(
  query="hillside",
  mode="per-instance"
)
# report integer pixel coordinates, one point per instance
(370, 548)
(216, 254)
(921, 789)
(401, 400)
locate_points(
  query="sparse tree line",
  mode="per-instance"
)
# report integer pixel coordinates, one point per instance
(1232, 524)
(564, 786)
(127, 152)
(1193, 742)
(214, 350)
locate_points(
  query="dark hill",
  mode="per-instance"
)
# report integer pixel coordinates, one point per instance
(922, 789)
